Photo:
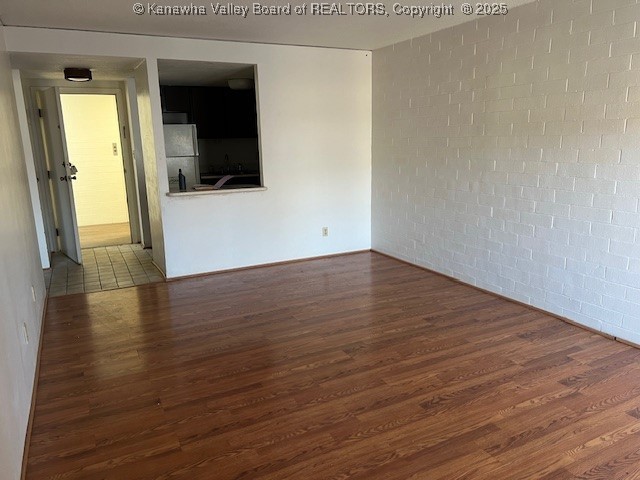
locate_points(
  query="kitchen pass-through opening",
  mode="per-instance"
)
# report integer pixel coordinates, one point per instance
(211, 127)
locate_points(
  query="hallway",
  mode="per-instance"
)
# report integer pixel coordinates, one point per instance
(104, 268)
(92, 236)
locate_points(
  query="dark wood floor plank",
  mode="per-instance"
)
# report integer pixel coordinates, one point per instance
(355, 367)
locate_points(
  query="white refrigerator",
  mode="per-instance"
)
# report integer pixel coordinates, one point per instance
(181, 151)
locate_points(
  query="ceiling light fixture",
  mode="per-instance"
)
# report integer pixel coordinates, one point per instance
(240, 83)
(77, 74)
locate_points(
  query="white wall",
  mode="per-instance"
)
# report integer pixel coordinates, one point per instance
(315, 116)
(154, 197)
(20, 269)
(99, 190)
(506, 153)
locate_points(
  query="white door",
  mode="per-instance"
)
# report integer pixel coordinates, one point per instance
(62, 175)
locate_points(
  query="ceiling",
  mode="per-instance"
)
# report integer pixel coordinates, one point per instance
(212, 74)
(352, 31)
(50, 66)
(171, 72)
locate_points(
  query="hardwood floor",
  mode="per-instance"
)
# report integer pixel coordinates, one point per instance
(356, 367)
(104, 235)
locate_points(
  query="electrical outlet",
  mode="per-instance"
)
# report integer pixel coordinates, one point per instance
(25, 332)
(33, 293)
(115, 149)
(325, 231)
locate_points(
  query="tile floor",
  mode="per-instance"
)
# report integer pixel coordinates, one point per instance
(103, 268)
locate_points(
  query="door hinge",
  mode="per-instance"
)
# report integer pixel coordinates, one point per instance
(49, 174)
(40, 114)
(124, 132)
(57, 232)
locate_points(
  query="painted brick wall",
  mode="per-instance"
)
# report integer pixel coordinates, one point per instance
(506, 153)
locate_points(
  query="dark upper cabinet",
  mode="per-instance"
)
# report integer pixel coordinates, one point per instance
(240, 109)
(176, 99)
(208, 112)
(217, 112)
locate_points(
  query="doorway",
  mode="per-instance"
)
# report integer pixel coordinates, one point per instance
(88, 161)
(92, 134)
(92, 190)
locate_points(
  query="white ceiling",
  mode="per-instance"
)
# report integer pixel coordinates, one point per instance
(212, 74)
(365, 32)
(49, 66)
(171, 72)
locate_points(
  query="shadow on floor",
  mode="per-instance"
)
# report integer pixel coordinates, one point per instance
(103, 268)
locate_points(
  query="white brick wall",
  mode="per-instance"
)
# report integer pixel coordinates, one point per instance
(506, 153)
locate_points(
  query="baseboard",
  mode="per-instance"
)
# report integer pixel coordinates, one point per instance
(512, 300)
(264, 265)
(622, 340)
(27, 440)
(159, 269)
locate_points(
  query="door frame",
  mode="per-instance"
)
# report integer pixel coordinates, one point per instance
(62, 169)
(45, 189)
(125, 142)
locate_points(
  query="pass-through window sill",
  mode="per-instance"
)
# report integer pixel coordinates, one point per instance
(222, 191)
